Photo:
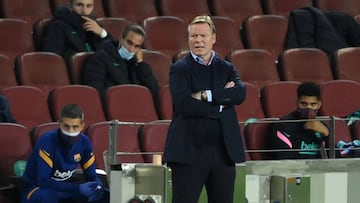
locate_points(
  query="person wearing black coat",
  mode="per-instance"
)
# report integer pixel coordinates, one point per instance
(116, 63)
(73, 29)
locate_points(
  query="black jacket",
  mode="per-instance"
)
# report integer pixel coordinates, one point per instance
(5, 113)
(65, 34)
(106, 68)
(329, 31)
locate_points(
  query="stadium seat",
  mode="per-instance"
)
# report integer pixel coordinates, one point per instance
(185, 9)
(76, 63)
(114, 25)
(15, 37)
(339, 98)
(351, 7)
(304, 64)
(152, 138)
(15, 145)
(44, 70)
(40, 129)
(279, 99)
(167, 34)
(135, 10)
(265, 32)
(86, 97)
(160, 65)
(347, 63)
(38, 32)
(30, 11)
(283, 7)
(28, 105)
(127, 142)
(165, 102)
(228, 36)
(255, 66)
(7, 74)
(251, 107)
(98, 6)
(238, 10)
(257, 137)
(129, 102)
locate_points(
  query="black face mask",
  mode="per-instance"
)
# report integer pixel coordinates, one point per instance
(307, 113)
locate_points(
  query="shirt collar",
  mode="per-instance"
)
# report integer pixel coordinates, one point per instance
(201, 61)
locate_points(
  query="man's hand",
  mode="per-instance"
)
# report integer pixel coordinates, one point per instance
(139, 56)
(196, 95)
(229, 84)
(317, 126)
(92, 25)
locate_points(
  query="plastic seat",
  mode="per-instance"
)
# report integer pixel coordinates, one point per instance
(160, 65)
(38, 32)
(44, 70)
(85, 96)
(114, 25)
(305, 64)
(40, 129)
(228, 37)
(185, 9)
(284, 7)
(31, 11)
(76, 63)
(279, 99)
(339, 98)
(238, 10)
(129, 102)
(152, 138)
(347, 63)
(127, 141)
(165, 102)
(28, 105)
(98, 6)
(251, 107)
(257, 135)
(15, 145)
(167, 34)
(15, 37)
(351, 7)
(7, 74)
(265, 32)
(255, 66)
(135, 10)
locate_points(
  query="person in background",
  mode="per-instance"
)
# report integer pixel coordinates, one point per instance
(204, 142)
(73, 29)
(49, 173)
(5, 111)
(304, 136)
(116, 63)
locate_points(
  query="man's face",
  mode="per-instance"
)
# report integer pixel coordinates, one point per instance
(132, 42)
(83, 7)
(71, 125)
(311, 102)
(201, 39)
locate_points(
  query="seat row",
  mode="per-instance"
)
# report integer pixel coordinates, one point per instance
(31, 106)
(137, 10)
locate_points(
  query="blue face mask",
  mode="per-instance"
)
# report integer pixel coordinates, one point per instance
(125, 54)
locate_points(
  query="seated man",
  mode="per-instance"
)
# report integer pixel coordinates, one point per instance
(73, 30)
(304, 137)
(49, 173)
(116, 63)
(5, 112)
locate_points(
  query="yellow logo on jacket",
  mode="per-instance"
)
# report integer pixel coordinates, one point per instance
(77, 157)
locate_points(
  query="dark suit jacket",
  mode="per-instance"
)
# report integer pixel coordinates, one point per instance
(185, 80)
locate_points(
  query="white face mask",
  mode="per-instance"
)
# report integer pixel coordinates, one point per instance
(73, 134)
(126, 54)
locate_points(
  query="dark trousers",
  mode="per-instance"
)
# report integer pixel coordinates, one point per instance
(211, 168)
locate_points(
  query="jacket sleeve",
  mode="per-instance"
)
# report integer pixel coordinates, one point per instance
(94, 72)
(54, 39)
(148, 80)
(5, 112)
